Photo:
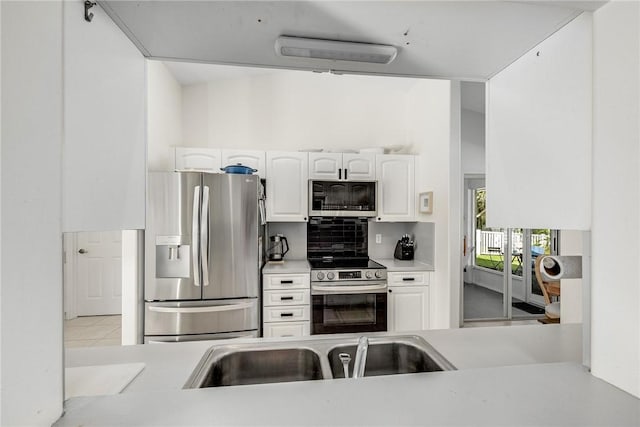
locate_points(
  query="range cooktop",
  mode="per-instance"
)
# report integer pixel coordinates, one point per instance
(343, 263)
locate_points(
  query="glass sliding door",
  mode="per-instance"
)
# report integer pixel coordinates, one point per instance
(499, 280)
(484, 284)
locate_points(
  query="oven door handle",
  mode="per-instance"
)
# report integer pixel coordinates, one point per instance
(358, 289)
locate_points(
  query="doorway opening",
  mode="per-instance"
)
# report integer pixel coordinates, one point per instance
(499, 280)
(93, 289)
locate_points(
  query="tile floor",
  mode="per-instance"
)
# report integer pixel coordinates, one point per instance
(93, 331)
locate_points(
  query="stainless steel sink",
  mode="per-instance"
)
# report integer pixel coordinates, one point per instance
(258, 363)
(408, 355)
(231, 366)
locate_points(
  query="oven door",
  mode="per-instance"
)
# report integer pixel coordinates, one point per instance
(348, 309)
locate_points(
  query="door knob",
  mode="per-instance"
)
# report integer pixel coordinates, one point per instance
(82, 251)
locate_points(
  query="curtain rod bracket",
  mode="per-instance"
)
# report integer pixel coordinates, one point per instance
(88, 5)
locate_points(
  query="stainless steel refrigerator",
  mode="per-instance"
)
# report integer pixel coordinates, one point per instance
(203, 254)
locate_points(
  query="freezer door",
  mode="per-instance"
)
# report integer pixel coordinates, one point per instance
(201, 317)
(172, 270)
(231, 259)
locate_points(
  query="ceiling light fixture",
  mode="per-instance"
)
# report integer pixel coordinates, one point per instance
(335, 50)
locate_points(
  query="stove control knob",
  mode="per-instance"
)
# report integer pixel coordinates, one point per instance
(330, 276)
(320, 275)
(368, 274)
(378, 274)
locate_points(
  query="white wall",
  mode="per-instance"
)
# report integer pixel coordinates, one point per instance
(615, 234)
(31, 247)
(429, 128)
(164, 116)
(292, 110)
(472, 142)
(104, 170)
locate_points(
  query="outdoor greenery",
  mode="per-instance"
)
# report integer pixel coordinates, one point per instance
(481, 207)
(495, 262)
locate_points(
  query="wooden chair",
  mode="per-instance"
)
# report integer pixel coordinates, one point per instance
(549, 289)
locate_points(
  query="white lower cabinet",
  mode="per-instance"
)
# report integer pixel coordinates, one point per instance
(286, 308)
(286, 329)
(408, 301)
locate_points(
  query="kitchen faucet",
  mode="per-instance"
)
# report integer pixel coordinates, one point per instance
(361, 357)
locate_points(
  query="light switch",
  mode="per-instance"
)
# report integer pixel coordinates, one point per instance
(378, 238)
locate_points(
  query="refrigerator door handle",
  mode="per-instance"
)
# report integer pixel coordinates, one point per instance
(207, 309)
(204, 236)
(194, 236)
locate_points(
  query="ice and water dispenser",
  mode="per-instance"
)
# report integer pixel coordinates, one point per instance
(173, 257)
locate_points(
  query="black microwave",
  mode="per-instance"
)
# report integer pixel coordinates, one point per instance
(342, 198)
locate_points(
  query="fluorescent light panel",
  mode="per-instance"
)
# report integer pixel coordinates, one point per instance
(335, 50)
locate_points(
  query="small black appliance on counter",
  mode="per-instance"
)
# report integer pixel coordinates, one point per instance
(404, 249)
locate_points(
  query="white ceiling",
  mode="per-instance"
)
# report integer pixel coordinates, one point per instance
(188, 73)
(468, 40)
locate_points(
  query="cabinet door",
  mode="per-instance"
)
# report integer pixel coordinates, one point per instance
(325, 166)
(287, 186)
(408, 308)
(252, 158)
(198, 159)
(396, 195)
(359, 166)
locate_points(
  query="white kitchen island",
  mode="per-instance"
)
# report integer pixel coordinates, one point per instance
(518, 375)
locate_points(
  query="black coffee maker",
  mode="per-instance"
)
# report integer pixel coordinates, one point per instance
(404, 249)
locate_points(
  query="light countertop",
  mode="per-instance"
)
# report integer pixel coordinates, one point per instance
(286, 267)
(393, 264)
(507, 375)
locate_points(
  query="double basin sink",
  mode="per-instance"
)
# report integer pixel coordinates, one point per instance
(258, 363)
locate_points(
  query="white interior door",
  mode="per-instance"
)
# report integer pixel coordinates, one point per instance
(99, 273)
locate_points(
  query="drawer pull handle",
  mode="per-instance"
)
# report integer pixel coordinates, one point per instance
(286, 298)
(286, 282)
(286, 314)
(408, 279)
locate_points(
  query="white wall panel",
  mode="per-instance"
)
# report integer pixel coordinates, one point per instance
(538, 149)
(31, 280)
(104, 124)
(615, 251)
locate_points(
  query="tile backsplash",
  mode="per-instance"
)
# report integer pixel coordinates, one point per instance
(338, 237)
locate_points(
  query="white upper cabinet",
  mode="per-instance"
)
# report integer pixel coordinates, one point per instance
(198, 159)
(252, 158)
(359, 167)
(325, 165)
(342, 166)
(287, 186)
(538, 150)
(396, 187)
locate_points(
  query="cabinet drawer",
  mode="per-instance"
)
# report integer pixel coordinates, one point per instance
(409, 278)
(288, 297)
(286, 314)
(286, 281)
(287, 329)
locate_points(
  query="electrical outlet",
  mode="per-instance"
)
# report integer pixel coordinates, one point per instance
(378, 238)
